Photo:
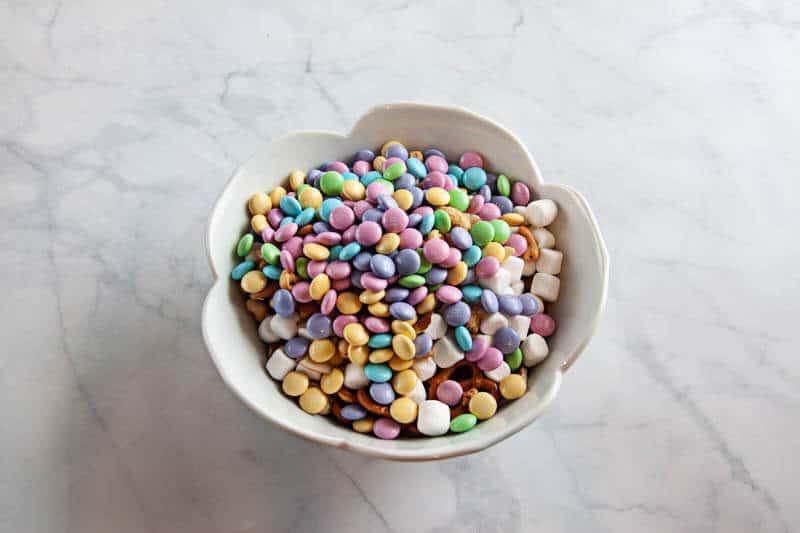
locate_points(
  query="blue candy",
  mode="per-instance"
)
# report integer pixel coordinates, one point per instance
(296, 347)
(471, 293)
(349, 251)
(378, 373)
(473, 178)
(380, 340)
(382, 266)
(426, 224)
(416, 167)
(282, 302)
(455, 171)
(243, 268)
(327, 206)
(335, 251)
(285, 220)
(306, 216)
(272, 271)
(463, 338)
(349, 176)
(290, 206)
(471, 255)
(370, 176)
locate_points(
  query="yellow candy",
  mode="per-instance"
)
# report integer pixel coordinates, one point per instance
(397, 364)
(494, 249)
(378, 162)
(426, 305)
(482, 405)
(416, 154)
(404, 382)
(276, 195)
(358, 355)
(403, 410)
(388, 243)
(319, 286)
(381, 356)
(258, 223)
(331, 383)
(253, 281)
(509, 251)
(295, 383)
(348, 303)
(371, 297)
(353, 190)
(321, 350)
(437, 196)
(313, 401)
(386, 145)
(310, 197)
(355, 334)
(364, 425)
(513, 386)
(403, 347)
(513, 219)
(401, 327)
(457, 274)
(296, 179)
(379, 309)
(260, 204)
(257, 308)
(315, 251)
(404, 198)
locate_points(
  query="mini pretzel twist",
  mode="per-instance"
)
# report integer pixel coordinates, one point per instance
(370, 405)
(532, 253)
(471, 385)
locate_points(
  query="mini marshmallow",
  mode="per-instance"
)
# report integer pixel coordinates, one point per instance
(549, 261)
(433, 418)
(534, 349)
(492, 323)
(418, 395)
(541, 213)
(500, 283)
(546, 286)
(437, 328)
(544, 238)
(498, 373)
(265, 331)
(354, 377)
(311, 373)
(311, 369)
(446, 353)
(521, 210)
(424, 368)
(303, 332)
(530, 268)
(520, 324)
(514, 266)
(517, 287)
(284, 327)
(280, 364)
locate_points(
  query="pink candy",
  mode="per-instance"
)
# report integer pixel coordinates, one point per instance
(328, 302)
(470, 159)
(372, 282)
(543, 324)
(274, 217)
(338, 270)
(520, 194)
(341, 284)
(479, 347)
(417, 295)
(287, 261)
(410, 238)
(386, 428)
(448, 294)
(449, 392)
(267, 234)
(349, 234)
(294, 246)
(489, 212)
(361, 167)
(340, 322)
(376, 325)
(286, 232)
(435, 162)
(328, 238)
(436, 250)
(453, 257)
(434, 179)
(518, 243)
(315, 268)
(492, 358)
(391, 161)
(337, 166)
(300, 292)
(395, 220)
(342, 217)
(375, 189)
(475, 204)
(368, 232)
(361, 207)
(487, 267)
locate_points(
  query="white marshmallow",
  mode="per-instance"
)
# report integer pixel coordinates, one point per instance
(433, 418)
(534, 349)
(446, 353)
(549, 261)
(437, 328)
(280, 364)
(544, 238)
(521, 210)
(265, 331)
(541, 213)
(492, 323)
(312, 369)
(546, 286)
(312, 374)
(530, 268)
(514, 266)
(500, 283)
(418, 395)
(498, 373)
(424, 368)
(284, 327)
(520, 324)
(517, 287)
(303, 332)
(354, 377)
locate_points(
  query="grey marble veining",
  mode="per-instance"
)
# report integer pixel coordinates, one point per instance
(120, 121)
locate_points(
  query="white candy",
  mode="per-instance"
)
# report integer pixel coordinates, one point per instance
(265, 331)
(280, 364)
(520, 324)
(284, 327)
(425, 368)
(514, 266)
(544, 238)
(546, 286)
(354, 377)
(418, 395)
(549, 261)
(541, 213)
(446, 353)
(492, 323)
(500, 283)
(433, 418)
(437, 328)
(312, 369)
(521, 210)
(517, 287)
(534, 349)
(498, 373)
(530, 268)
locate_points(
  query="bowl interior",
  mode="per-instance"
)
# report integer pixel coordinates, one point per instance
(231, 333)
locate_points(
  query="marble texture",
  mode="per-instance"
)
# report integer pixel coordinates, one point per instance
(120, 121)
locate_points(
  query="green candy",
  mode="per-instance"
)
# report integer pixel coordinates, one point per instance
(424, 265)
(441, 221)
(482, 233)
(331, 183)
(300, 189)
(270, 253)
(412, 281)
(245, 245)
(503, 185)
(514, 359)
(501, 230)
(394, 171)
(459, 199)
(463, 423)
(301, 265)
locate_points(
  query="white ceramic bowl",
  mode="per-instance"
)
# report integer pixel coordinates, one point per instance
(230, 331)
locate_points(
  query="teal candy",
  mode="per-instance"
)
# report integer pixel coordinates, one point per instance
(455, 171)
(378, 373)
(335, 252)
(241, 269)
(327, 206)
(416, 167)
(285, 220)
(291, 206)
(306, 216)
(272, 271)
(463, 338)
(474, 178)
(349, 251)
(471, 256)
(369, 177)
(471, 293)
(426, 224)
(380, 340)
(349, 176)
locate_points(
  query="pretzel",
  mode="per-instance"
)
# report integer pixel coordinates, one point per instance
(307, 309)
(336, 409)
(472, 385)
(346, 395)
(370, 405)
(265, 293)
(532, 253)
(474, 322)
(422, 322)
(457, 218)
(305, 230)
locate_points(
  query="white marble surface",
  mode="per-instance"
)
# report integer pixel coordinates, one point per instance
(120, 121)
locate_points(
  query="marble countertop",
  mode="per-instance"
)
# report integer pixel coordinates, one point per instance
(120, 121)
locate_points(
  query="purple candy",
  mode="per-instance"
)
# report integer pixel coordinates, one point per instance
(423, 344)
(414, 219)
(407, 262)
(433, 151)
(436, 276)
(353, 412)
(296, 347)
(362, 261)
(382, 266)
(510, 305)
(457, 314)
(417, 295)
(489, 301)
(406, 181)
(491, 180)
(471, 277)
(355, 279)
(506, 340)
(402, 311)
(449, 392)
(386, 202)
(418, 195)
(382, 393)
(529, 305)
(320, 227)
(460, 237)
(386, 428)
(397, 150)
(373, 215)
(364, 155)
(503, 203)
(319, 326)
(396, 294)
(485, 192)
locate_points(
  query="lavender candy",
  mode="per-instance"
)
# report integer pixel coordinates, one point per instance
(296, 347)
(460, 238)
(529, 305)
(433, 151)
(373, 215)
(386, 202)
(489, 301)
(510, 305)
(402, 311)
(414, 219)
(397, 150)
(353, 412)
(406, 181)
(471, 277)
(320, 227)
(283, 302)
(362, 261)
(382, 266)
(506, 340)
(486, 192)
(436, 275)
(319, 326)
(364, 155)
(418, 195)
(382, 393)
(457, 314)
(407, 262)
(504, 203)
(355, 279)
(396, 294)
(423, 344)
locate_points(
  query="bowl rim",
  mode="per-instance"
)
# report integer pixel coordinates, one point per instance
(442, 451)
